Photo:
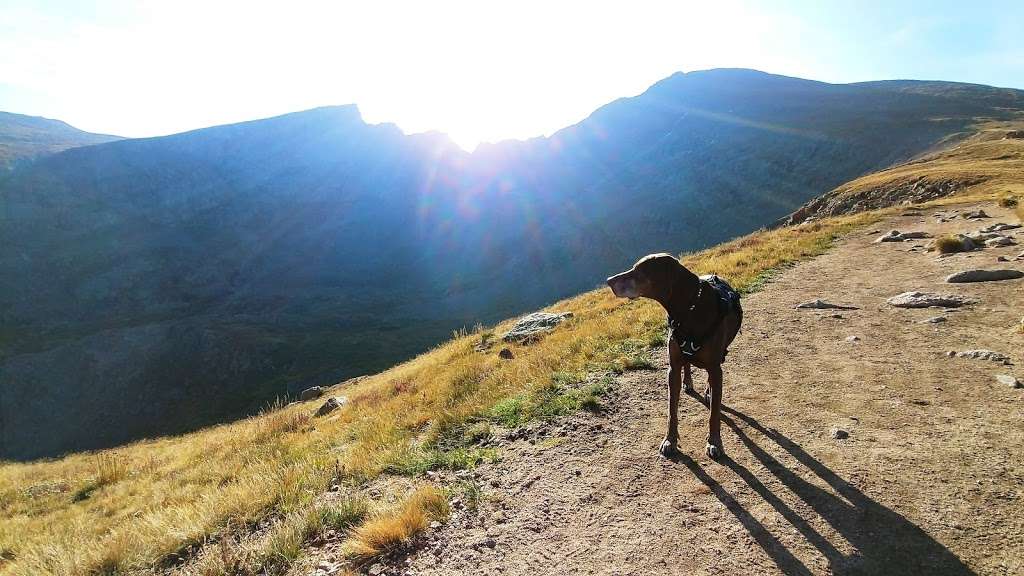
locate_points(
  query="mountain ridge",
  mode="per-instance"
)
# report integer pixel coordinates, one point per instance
(24, 138)
(311, 247)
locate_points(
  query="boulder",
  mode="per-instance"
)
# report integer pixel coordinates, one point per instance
(532, 326)
(332, 404)
(505, 354)
(820, 304)
(984, 275)
(311, 393)
(840, 434)
(927, 300)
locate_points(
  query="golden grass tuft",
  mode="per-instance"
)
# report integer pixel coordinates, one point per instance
(398, 526)
(949, 244)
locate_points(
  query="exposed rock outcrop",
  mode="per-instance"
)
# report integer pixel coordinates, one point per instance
(532, 326)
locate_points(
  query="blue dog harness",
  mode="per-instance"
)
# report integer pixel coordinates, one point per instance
(689, 342)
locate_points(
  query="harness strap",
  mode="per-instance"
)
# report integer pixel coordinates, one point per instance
(691, 345)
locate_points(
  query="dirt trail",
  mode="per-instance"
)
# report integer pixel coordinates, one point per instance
(930, 480)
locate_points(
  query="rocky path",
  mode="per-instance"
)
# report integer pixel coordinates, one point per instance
(929, 480)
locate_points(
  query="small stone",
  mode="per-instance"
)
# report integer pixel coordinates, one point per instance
(1002, 259)
(974, 215)
(951, 354)
(435, 525)
(376, 570)
(820, 304)
(983, 354)
(853, 338)
(840, 434)
(1008, 380)
(505, 354)
(934, 320)
(485, 543)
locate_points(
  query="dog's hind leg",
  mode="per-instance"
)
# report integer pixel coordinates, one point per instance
(714, 445)
(675, 356)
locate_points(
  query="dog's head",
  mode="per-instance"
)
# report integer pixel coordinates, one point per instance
(651, 277)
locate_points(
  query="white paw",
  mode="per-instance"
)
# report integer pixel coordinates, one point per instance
(667, 448)
(713, 451)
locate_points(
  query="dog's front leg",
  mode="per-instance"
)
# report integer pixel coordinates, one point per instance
(687, 378)
(675, 356)
(714, 445)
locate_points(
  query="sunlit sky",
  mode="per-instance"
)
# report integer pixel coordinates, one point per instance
(478, 70)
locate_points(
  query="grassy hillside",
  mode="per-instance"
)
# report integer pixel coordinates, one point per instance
(241, 498)
(991, 160)
(256, 486)
(187, 280)
(23, 138)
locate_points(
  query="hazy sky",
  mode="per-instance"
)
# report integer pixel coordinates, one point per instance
(478, 70)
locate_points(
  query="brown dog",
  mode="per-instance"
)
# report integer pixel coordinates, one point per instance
(704, 317)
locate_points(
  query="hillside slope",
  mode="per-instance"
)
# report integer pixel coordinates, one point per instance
(23, 138)
(289, 492)
(926, 482)
(167, 283)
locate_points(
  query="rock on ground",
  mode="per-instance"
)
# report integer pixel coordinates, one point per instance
(983, 355)
(984, 275)
(927, 300)
(332, 404)
(1011, 381)
(531, 326)
(999, 227)
(311, 393)
(897, 236)
(820, 304)
(999, 241)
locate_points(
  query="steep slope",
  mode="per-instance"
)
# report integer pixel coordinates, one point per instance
(23, 138)
(167, 283)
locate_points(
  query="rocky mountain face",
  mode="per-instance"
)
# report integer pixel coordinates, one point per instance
(153, 286)
(24, 138)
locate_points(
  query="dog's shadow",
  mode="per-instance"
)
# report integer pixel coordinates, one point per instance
(884, 541)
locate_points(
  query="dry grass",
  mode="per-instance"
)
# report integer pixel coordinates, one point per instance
(161, 500)
(397, 526)
(949, 245)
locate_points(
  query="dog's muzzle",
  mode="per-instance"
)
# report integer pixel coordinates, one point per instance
(624, 285)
